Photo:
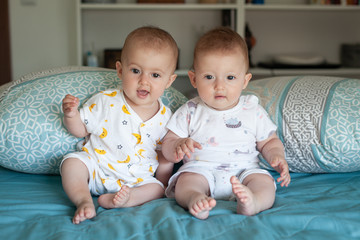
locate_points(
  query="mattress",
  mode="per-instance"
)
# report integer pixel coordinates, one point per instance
(314, 206)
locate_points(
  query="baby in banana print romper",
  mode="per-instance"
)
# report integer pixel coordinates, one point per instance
(123, 129)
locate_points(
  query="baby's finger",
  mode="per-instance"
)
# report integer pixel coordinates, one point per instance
(179, 152)
(71, 99)
(178, 157)
(197, 145)
(285, 180)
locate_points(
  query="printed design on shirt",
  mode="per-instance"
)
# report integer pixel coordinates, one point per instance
(151, 169)
(163, 111)
(92, 106)
(103, 180)
(140, 153)
(111, 167)
(138, 137)
(125, 110)
(104, 133)
(125, 161)
(232, 123)
(113, 94)
(119, 182)
(100, 151)
(85, 150)
(242, 151)
(139, 180)
(158, 142)
(259, 113)
(192, 104)
(212, 142)
(223, 167)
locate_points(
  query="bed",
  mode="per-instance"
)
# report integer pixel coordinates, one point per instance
(322, 148)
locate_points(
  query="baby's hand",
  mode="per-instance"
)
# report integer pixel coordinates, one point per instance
(185, 146)
(281, 166)
(70, 105)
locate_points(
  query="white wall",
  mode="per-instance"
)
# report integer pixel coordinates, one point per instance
(42, 35)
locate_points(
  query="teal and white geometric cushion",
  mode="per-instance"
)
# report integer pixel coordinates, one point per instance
(318, 120)
(32, 136)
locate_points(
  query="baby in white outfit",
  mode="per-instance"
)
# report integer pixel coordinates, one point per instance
(219, 134)
(123, 129)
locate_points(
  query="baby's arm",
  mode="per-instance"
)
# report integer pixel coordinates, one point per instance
(174, 148)
(272, 150)
(72, 120)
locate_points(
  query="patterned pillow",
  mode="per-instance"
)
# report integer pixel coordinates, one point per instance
(32, 136)
(318, 120)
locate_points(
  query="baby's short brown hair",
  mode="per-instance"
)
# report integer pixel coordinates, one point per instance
(224, 40)
(152, 37)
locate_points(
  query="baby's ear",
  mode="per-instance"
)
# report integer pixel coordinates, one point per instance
(119, 69)
(247, 79)
(192, 78)
(171, 80)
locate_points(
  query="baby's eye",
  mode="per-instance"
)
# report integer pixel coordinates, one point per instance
(136, 71)
(230, 77)
(209, 77)
(155, 75)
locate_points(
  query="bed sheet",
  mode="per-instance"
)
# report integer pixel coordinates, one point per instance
(314, 206)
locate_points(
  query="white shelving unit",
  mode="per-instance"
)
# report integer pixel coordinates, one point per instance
(106, 26)
(175, 18)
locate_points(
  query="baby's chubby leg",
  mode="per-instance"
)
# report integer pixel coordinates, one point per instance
(75, 177)
(192, 192)
(256, 194)
(130, 197)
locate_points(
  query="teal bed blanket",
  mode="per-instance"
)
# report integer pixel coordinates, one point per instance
(314, 206)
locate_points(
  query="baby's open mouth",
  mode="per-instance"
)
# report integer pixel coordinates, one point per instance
(142, 93)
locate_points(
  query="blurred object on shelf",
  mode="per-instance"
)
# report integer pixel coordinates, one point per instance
(255, 1)
(161, 1)
(299, 59)
(111, 56)
(208, 1)
(250, 42)
(229, 18)
(92, 60)
(353, 2)
(350, 55)
(335, 2)
(98, 1)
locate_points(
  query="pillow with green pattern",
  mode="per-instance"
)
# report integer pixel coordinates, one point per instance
(32, 136)
(318, 120)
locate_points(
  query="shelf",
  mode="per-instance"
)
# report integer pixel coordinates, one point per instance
(303, 7)
(281, 72)
(173, 6)
(324, 72)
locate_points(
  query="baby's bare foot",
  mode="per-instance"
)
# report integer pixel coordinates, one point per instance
(85, 210)
(246, 202)
(115, 200)
(201, 205)
(121, 197)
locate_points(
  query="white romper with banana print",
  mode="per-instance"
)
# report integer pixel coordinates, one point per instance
(121, 148)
